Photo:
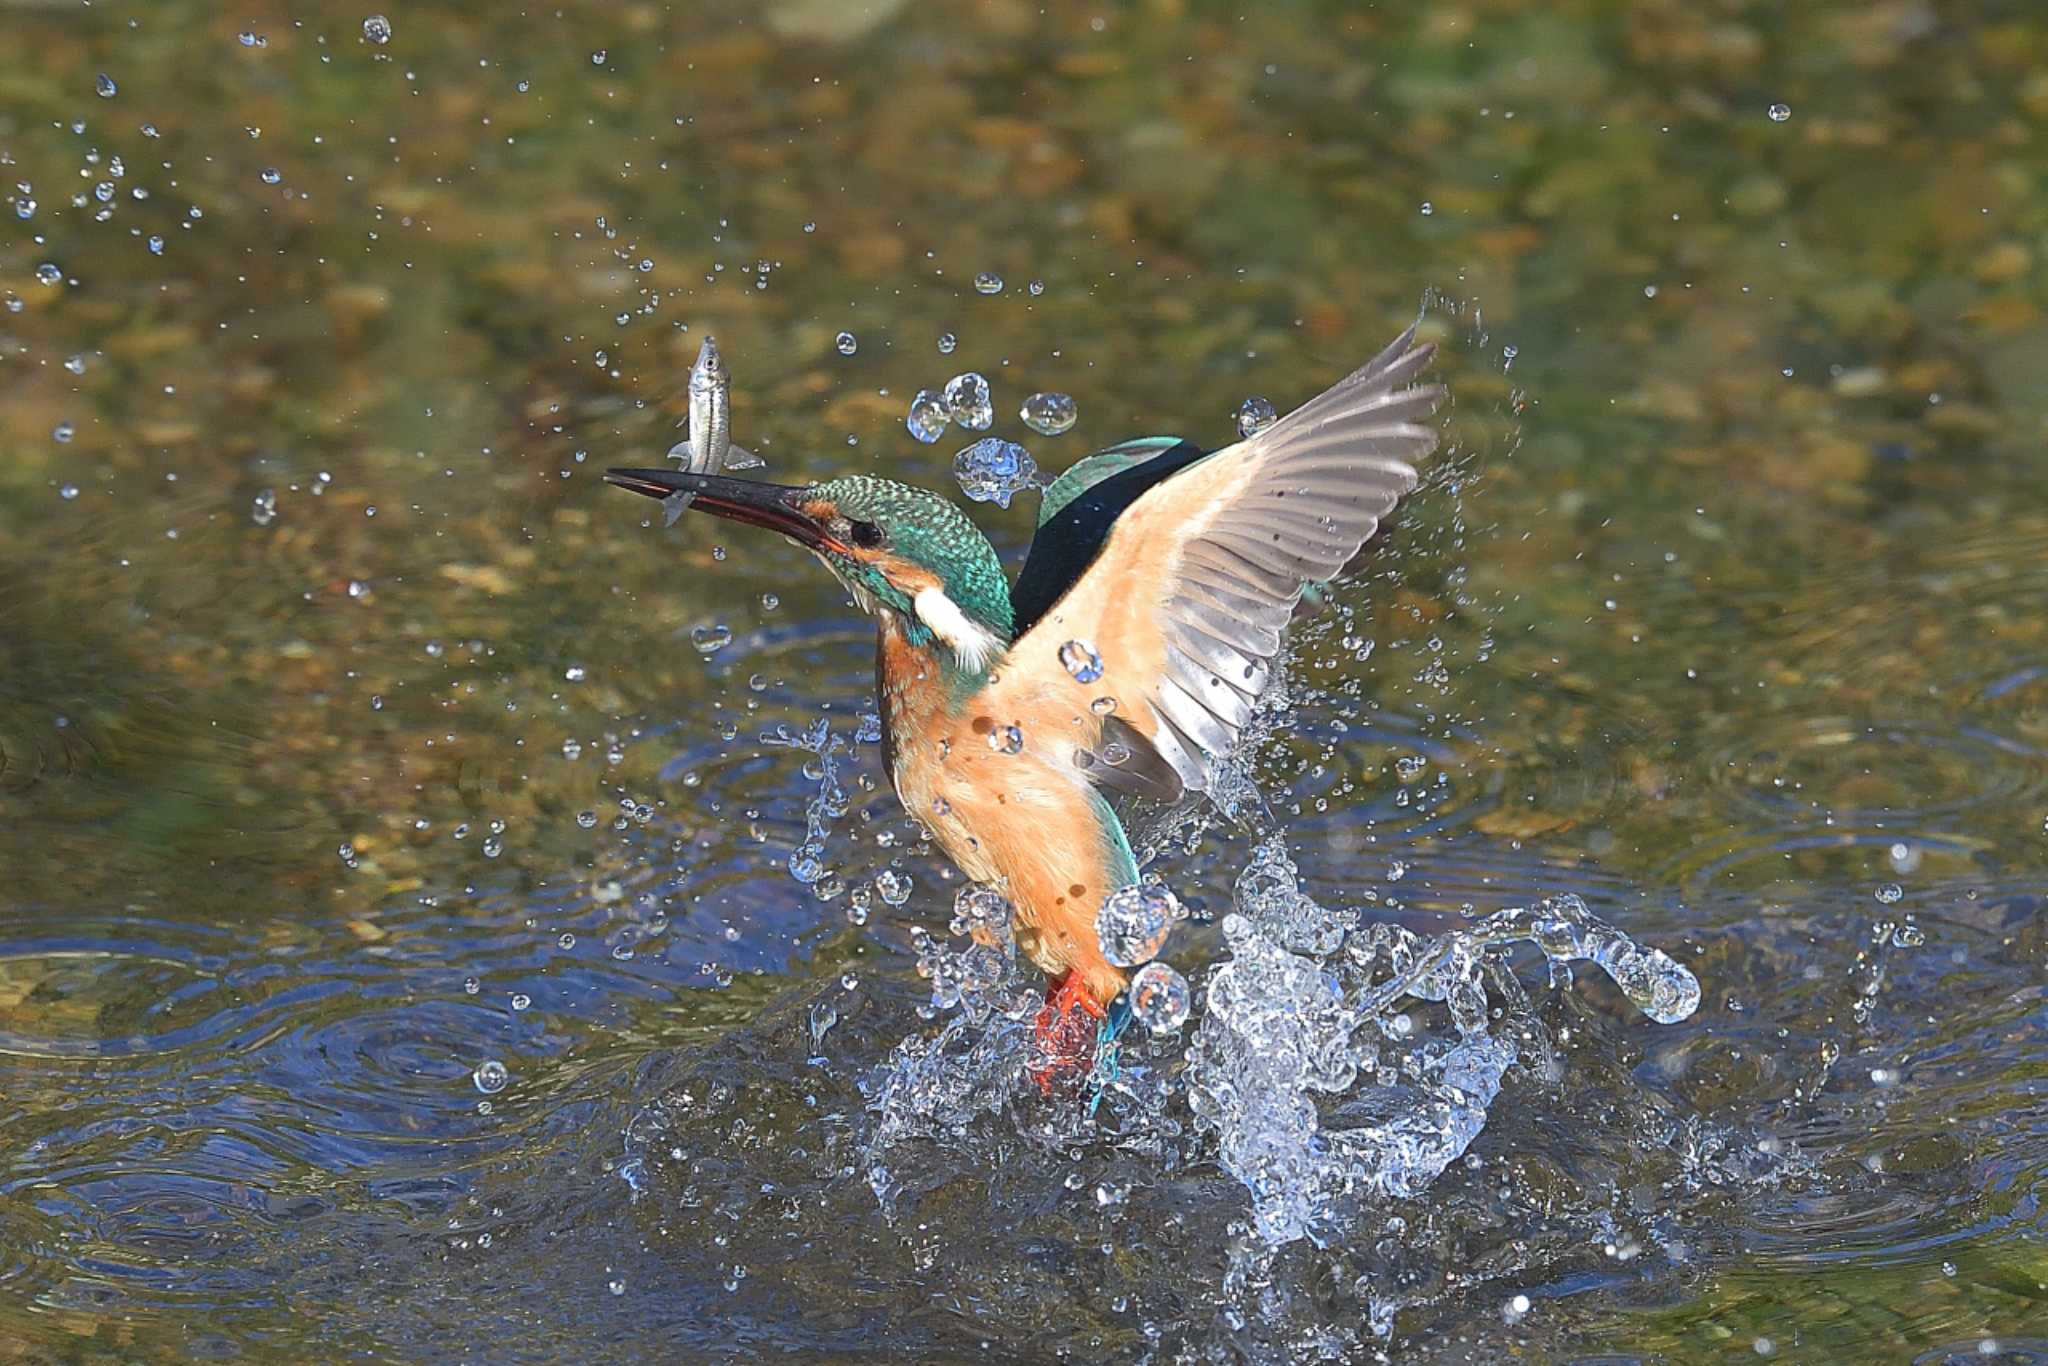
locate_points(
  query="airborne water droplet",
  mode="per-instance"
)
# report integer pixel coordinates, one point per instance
(1081, 660)
(970, 403)
(993, 470)
(1254, 415)
(1048, 414)
(928, 416)
(1159, 998)
(1134, 922)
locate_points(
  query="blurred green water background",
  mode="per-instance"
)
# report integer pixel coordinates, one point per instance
(304, 566)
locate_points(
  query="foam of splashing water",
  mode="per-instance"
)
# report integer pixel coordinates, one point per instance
(1309, 1005)
(831, 801)
(1314, 1072)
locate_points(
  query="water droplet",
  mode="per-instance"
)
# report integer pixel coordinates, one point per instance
(1081, 661)
(709, 640)
(928, 416)
(1102, 706)
(155, 245)
(493, 846)
(617, 1287)
(48, 274)
(1159, 998)
(567, 941)
(892, 886)
(1890, 894)
(24, 207)
(377, 29)
(847, 343)
(1134, 922)
(1254, 415)
(1780, 112)
(597, 57)
(969, 402)
(1908, 936)
(106, 87)
(248, 39)
(63, 432)
(988, 282)
(1007, 739)
(271, 175)
(520, 1000)
(947, 341)
(575, 673)
(1037, 287)
(1428, 209)
(472, 985)
(68, 492)
(993, 470)
(1049, 414)
(490, 1076)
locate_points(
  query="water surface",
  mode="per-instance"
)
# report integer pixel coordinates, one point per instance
(352, 736)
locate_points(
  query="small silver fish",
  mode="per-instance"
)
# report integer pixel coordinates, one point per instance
(710, 447)
(710, 411)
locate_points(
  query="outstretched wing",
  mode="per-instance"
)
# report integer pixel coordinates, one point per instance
(1081, 508)
(1186, 599)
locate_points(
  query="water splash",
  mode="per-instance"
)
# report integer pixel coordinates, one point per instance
(1317, 1074)
(830, 801)
(1310, 1006)
(993, 470)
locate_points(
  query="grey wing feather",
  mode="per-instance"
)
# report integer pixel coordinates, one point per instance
(1323, 477)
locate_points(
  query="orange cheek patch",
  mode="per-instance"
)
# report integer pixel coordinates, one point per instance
(911, 578)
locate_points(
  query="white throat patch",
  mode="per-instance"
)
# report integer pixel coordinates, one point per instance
(972, 643)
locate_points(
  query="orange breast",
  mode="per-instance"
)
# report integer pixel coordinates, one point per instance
(1002, 798)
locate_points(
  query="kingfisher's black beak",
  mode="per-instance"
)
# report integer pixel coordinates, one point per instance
(777, 507)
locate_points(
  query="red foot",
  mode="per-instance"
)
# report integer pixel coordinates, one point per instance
(1063, 1037)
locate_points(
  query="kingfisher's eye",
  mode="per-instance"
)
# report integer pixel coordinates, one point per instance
(866, 535)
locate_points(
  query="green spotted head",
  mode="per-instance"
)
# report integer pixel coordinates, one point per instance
(899, 550)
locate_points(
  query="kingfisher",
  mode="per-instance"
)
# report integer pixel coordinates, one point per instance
(1023, 723)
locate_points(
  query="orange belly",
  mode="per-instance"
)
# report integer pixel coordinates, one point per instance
(1023, 821)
